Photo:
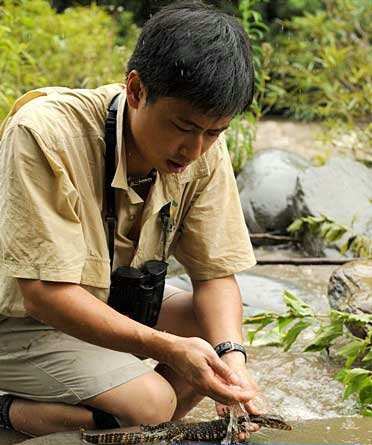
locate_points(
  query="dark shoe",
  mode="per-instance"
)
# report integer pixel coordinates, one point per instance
(5, 402)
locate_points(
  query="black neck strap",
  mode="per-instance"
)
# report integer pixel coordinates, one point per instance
(110, 158)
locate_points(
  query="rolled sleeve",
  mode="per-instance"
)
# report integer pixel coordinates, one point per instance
(40, 232)
(215, 242)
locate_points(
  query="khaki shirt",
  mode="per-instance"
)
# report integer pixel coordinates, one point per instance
(52, 201)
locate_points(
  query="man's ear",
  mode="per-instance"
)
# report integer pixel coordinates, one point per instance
(135, 90)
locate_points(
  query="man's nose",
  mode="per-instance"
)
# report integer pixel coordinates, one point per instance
(193, 147)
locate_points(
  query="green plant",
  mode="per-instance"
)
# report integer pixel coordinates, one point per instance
(322, 64)
(282, 329)
(39, 47)
(239, 140)
(330, 231)
(242, 131)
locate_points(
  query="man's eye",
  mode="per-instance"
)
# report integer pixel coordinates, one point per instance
(184, 130)
(214, 134)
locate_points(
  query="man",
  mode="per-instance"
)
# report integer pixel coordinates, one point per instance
(67, 359)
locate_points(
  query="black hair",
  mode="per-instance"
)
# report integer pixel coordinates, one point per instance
(195, 52)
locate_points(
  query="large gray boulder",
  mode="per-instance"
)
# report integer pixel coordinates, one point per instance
(267, 185)
(341, 190)
(350, 290)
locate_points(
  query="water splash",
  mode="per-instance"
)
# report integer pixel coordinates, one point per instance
(235, 411)
(232, 426)
(244, 413)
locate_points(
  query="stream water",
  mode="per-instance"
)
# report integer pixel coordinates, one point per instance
(296, 385)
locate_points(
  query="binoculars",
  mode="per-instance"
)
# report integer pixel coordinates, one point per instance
(138, 292)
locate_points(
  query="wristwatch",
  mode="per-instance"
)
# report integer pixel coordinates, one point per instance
(229, 346)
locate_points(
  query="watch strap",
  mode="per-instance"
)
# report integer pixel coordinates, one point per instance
(229, 346)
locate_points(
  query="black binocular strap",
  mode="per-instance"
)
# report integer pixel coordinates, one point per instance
(110, 139)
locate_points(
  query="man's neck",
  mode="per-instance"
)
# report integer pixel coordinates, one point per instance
(136, 165)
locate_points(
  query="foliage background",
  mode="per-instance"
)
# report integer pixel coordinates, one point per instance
(313, 57)
(83, 47)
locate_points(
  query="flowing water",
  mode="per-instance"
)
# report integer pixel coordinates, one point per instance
(296, 385)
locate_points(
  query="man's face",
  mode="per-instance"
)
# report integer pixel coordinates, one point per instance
(169, 134)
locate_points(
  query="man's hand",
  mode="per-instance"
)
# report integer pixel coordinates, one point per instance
(236, 363)
(196, 360)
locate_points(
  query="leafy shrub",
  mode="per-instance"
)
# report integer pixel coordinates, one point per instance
(284, 9)
(282, 329)
(321, 66)
(330, 231)
(39, 47)
(242, 132)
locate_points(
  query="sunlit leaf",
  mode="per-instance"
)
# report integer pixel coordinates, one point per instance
(296, 305)
(295, 226)
(354, 380)
(260, 318)
(366, 411)
(365, 395)
(284, 321)
(351, 351)
(294, 332)
(325, 336)
(363, 319)
(368, 356)
(269, 338)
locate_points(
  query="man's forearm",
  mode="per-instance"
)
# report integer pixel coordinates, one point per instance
(218, 309)
(73, 310)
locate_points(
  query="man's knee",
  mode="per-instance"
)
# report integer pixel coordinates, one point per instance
(177, 316)
(146, 399)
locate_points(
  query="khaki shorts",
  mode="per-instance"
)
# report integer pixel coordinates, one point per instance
(40, 363)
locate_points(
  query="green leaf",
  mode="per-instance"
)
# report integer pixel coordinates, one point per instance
(335, 234)
(352, 350)
(347, 245)
(325, 231)
(261, 318)
(296, 226)
(365, 395)
(297, 306)
(368, 356)
(294, 332)
(325, 335)
(366, 411)
(250, 336)
(362, 319)
(354, 380)
(269, 338)
(284, 320)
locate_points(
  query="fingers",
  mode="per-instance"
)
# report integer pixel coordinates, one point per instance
(224, 371)
(208, 374)
(251, 407)
(228, 386)
(227, 394)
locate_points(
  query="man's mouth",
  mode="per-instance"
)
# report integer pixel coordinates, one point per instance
(175, 167)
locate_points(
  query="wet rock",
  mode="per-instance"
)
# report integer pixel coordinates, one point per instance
(267, 185)
(341, 190)
(259, 293)
(350, 290)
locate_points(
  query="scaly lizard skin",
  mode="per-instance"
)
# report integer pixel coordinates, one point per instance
(176, 432)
